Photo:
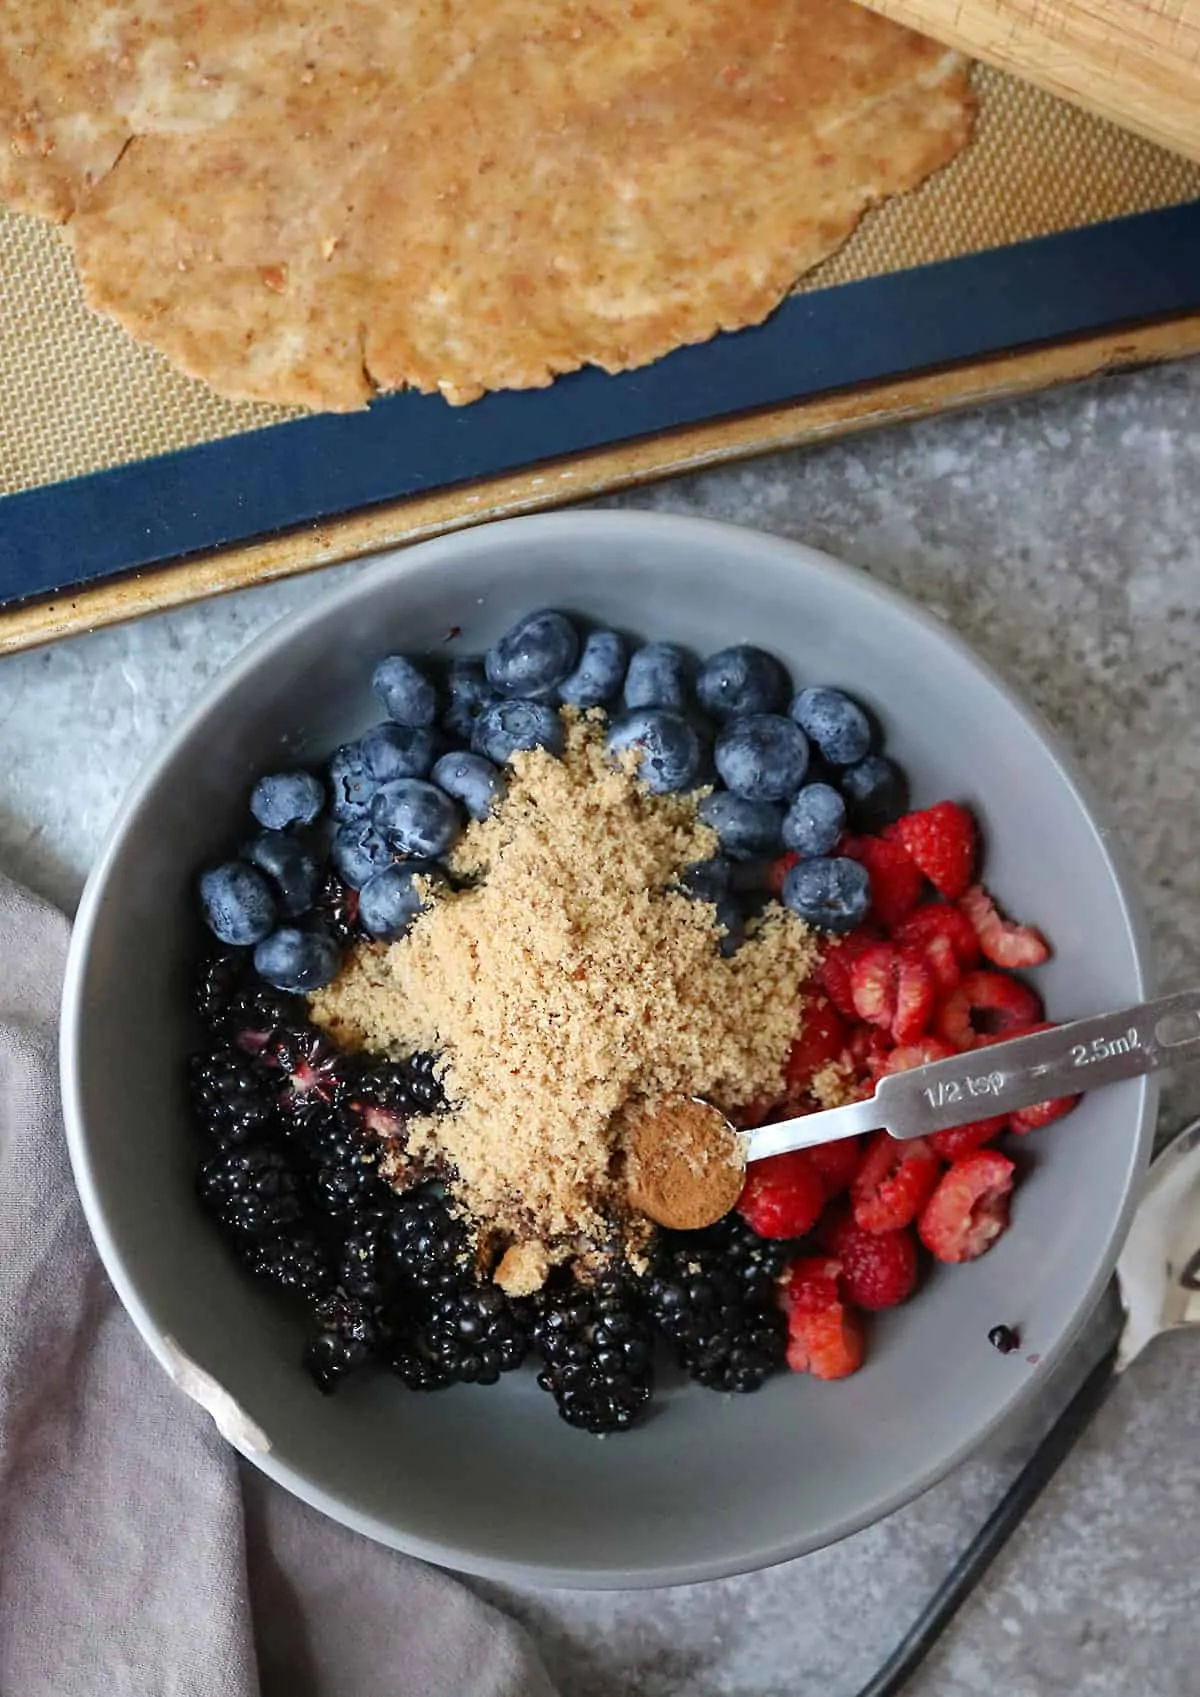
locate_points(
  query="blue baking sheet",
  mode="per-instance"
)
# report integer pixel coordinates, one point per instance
(72, 534)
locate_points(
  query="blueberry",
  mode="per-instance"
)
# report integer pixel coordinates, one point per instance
(398, 751)
(832, 894)
(706, 880)
(749, 877)
(291, 868)
(351, 786)
(747, 830)
(741, 680)
(763, 757)
(509, 726)
(754, 903)
(390, 901)
(815, 820)
(416, 818)
(471, 779)
(536, 654)
(876, 792)
(598, 677)
(359, 852)
(837, 725)
(237, 901)
(287, 798)
(407, 695)
(670, 749)
(659, 675)
(470, 695)
(733, 924)
(296, 960)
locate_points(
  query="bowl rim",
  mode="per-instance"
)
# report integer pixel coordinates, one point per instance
(616, 526)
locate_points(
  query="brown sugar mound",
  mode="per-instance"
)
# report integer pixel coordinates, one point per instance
(306, 203)
(569, 983)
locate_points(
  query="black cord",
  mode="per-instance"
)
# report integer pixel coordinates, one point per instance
(983, 1549)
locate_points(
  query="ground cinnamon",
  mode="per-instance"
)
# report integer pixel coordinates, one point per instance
(685, 1163)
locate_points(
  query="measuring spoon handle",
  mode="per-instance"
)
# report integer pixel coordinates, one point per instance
(1081, 1055)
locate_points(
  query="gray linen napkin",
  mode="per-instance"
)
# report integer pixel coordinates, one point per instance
(137, 1556)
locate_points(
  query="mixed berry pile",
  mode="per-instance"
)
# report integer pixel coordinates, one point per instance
(917, 964)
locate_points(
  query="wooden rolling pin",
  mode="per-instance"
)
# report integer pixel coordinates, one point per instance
(1134, 61)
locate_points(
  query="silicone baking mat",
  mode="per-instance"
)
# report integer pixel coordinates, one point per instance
(1051, 225)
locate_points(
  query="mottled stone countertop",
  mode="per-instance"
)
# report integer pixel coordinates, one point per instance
(1062, 537)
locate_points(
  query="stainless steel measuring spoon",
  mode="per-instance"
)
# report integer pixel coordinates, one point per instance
(707, 1163)
(1082, 1055)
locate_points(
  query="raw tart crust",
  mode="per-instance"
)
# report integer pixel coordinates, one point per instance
(306, 203)
(571, 984)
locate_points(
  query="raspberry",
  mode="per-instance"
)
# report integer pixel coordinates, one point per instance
(1002, 942)
(916, 991)
(986, 1004)
(825, 1337)
(947, 938)
(810, 1284)
(778, 871)
(822, 1039)
(836, 965)
(943, 962)
(879, 1269)
(943, 841)
(759, 1112)
(869, 1048)
(872, 985)
(782, 1196)
(829, 1344)
(837, 1163)
(896, 883)
(895, 989)
(922, 1054)
(1041, 1113)
(893, 1183)
(960, 1140)
(969, 1209)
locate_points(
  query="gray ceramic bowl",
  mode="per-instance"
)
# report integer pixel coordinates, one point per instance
(489, 1480)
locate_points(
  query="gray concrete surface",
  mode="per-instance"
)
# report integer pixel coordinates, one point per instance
(1061, 536)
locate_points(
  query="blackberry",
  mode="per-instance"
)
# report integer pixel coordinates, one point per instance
(368, 1263)
(598, 1352)
(711, 1293)
(423, 1083)
(431, 1246)
(345, 1176)
(403, 1088)
(757, 1261)
(218, 980)
(746, 1361)
(336, 910)
(231, 1102)
(316, 1075)
(418, 1366)
(471, 1334)
(345, 1340)
(298, 1262)
(252, 1191)
(384, 1096)
(253, 1016)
